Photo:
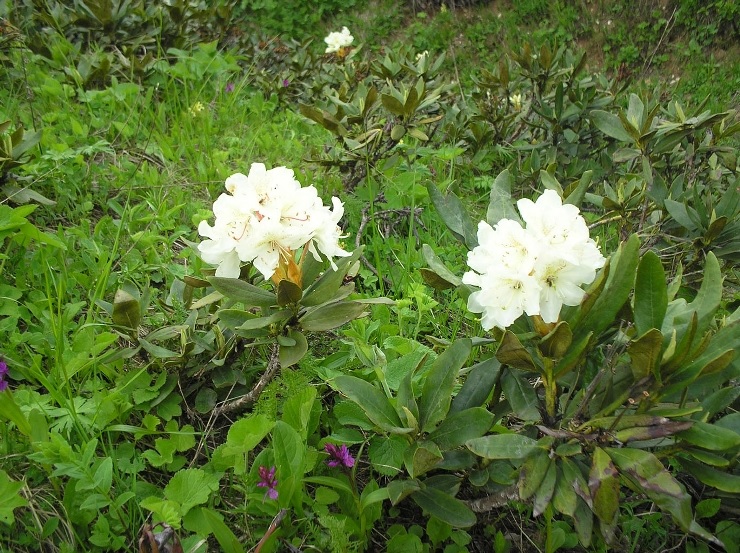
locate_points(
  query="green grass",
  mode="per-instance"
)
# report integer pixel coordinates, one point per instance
(129, 163)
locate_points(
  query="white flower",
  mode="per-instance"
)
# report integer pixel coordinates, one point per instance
(335, 41)
(516, 101)
(264, 219)
(559, 285)
(503, 296)
(533, 270)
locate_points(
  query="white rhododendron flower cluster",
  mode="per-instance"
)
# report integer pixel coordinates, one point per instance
(336, 41)
(533, 270)
(265, 217)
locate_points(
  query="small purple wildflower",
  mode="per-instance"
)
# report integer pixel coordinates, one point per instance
(229, 87)
(339, 456)
(3, 372)
(286, 83)
(268, 480)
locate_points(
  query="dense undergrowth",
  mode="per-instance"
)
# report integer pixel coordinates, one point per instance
(145, 401)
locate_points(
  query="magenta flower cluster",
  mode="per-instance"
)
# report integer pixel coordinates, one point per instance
(339, 456)
(3, 373)
(268, 480)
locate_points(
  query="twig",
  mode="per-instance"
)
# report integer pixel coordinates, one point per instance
(273, 366)
(271, 529)
(668, 26)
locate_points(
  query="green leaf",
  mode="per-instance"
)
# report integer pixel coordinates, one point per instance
(375, 496)
(248, 294)
(603, 483)
(167, 511)
(707, 508)
(521, 395)
(288, 293)
(157, 351)
(126, 310)
(204, 521)
(544, 493)
(442, 277)
(330, 482)
(646, 470)
(502, 446)
(645, 354)
(610, 125)
(289, 451)
(711, 436)
(10, 498)
(373, 402)
(720, 480)
(421, 457)
(191, 487)
(616, 291)
(709, 297)
(500, 204)
(327, 286)
(290, 355)
(243, 437)
(680, 213)
(440, 381)
(557, 342)
(511, 352)
(651, 293)
(583, 521)
(386, 454)
(478, 385)
(565, 499)
(297, 410)
(532, 473)
(10, 411)
(454, 215)
(392, 104)
(445, 507)
(460, 427)
(330, 316)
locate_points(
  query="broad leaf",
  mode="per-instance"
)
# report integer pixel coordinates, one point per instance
(500, 205)
(288, 293)
(603, 484)
(373, 402)
(645, 470)
(454, 215)
(326, 287)
(421, 457)
(10, 498)
(289, 451)
(191, 487)
(479, 383)
(544, 493)
(290, 355)
(445, 507)
(330, 316)
(460, 427)
(610, 125)
(711, 437)
(248, 294)
(645, 354)
(502, 446)
(205, 521)
(439, 382)
(532, 473)
(521, 395)
(651, 293)
(723, 481)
